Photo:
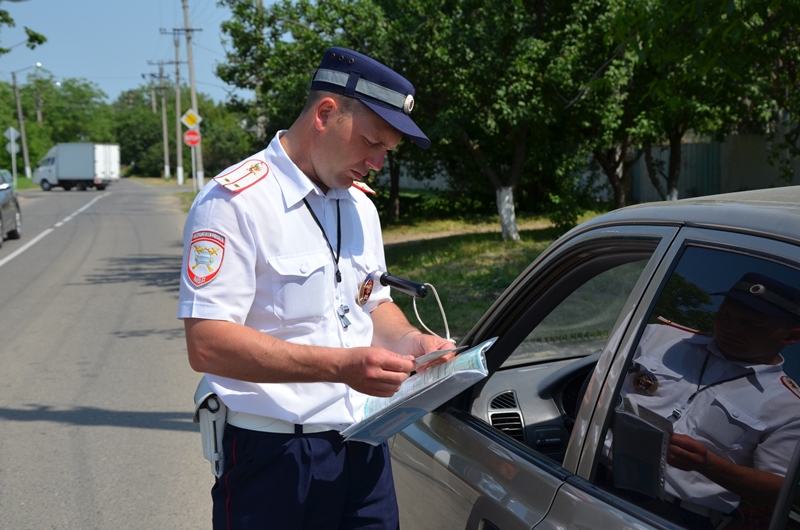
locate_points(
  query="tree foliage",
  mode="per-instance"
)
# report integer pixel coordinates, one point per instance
(33, 39)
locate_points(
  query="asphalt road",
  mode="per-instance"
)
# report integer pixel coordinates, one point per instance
(96, 400)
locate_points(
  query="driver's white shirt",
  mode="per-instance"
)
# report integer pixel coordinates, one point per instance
(753, 421)
(276, 275)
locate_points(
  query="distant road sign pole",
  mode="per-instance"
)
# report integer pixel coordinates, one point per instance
(12, 147)
(192, 139)
(192, 120)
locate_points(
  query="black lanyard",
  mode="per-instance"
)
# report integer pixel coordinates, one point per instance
(676, 413)
(325, 236)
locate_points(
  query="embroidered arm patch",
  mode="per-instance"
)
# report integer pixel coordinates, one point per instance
(205, 256)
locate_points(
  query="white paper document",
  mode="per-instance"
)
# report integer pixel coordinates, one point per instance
(418, 395)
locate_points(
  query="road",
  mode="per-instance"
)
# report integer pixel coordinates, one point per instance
(96, 401)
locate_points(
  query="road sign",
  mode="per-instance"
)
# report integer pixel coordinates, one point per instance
(11, 134)
(191, 138)
(191, 119)
(12, 147)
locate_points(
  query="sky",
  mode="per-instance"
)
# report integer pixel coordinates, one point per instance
(113, 43)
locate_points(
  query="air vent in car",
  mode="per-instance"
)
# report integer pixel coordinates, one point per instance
(510, 423)
(506, 400)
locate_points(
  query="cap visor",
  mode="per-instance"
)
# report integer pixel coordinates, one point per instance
(757, 304)
(402, 122)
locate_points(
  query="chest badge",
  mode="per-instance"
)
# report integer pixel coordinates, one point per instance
(206, 252)
(645, 382)
(365, 290)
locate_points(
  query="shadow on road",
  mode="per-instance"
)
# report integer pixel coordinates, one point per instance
(94, 417)
(162, 271)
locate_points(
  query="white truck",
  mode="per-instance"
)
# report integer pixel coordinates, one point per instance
(78, 165)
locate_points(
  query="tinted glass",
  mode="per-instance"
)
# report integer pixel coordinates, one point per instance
(708, 415)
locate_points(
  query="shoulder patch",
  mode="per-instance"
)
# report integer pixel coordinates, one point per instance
(791, 385)
(244, 175)
(357, 184)
(206, 252)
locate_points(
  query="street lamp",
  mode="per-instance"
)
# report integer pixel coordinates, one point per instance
(21, 120)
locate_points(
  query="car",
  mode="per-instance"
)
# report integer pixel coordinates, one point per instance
(550, 439)
(10, 213)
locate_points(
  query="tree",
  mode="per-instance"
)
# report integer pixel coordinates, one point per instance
(72, 110)
(33, 40)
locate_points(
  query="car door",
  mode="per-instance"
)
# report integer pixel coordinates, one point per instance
(493, 458)
(6, 196)
(701, 271)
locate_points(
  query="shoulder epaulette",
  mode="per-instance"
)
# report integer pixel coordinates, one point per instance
(789, 383)
(678, 326)
(244, 175)
(357, 184)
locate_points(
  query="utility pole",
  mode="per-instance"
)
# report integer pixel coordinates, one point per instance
(22, 125)
(178, 143)
(152, 91)
(38, 105)
(164, 133)
(164, 121)
(188, 31)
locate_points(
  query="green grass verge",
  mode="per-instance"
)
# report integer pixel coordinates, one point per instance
(468, 271)
(24, 183)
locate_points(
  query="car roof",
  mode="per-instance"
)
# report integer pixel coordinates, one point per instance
(773, 213)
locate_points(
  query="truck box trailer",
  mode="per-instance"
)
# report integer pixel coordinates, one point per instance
(78, 165)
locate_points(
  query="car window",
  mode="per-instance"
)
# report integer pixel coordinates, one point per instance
(707, 416)
(5, 177)
(565, 317)
(580, 325)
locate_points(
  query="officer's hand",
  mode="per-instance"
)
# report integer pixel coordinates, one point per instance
(686, 453)
(424, 343)
(375, 371)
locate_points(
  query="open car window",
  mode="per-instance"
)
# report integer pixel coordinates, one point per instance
(580, 325)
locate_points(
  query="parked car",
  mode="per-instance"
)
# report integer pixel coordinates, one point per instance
(548, 439)
(10, 214)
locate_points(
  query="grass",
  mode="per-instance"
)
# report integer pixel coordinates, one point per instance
(24, 183)
(469, 271)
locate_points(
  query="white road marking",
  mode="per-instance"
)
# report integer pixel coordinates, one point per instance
(42, 235)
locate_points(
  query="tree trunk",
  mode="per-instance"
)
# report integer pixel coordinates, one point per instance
(394, 187)
(674, 170)
(653, 170)
(617, 164)
(505, 208)
(503, 192)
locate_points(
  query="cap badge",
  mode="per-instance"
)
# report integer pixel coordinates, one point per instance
(645, 382)
(206, 252)
(408, 105)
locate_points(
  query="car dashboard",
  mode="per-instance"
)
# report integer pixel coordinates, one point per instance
(536, 403)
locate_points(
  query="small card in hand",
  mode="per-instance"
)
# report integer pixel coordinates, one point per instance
(429, 357)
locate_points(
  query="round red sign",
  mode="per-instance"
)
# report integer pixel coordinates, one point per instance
(191, 137)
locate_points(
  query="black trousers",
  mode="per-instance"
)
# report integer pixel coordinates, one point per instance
(296, 481)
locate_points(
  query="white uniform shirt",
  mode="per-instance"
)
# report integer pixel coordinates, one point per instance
(753, 421)
(264, 263)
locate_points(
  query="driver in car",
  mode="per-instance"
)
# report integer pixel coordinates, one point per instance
(735, 414)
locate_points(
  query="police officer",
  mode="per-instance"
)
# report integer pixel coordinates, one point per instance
(735, 413)
(276, 250)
